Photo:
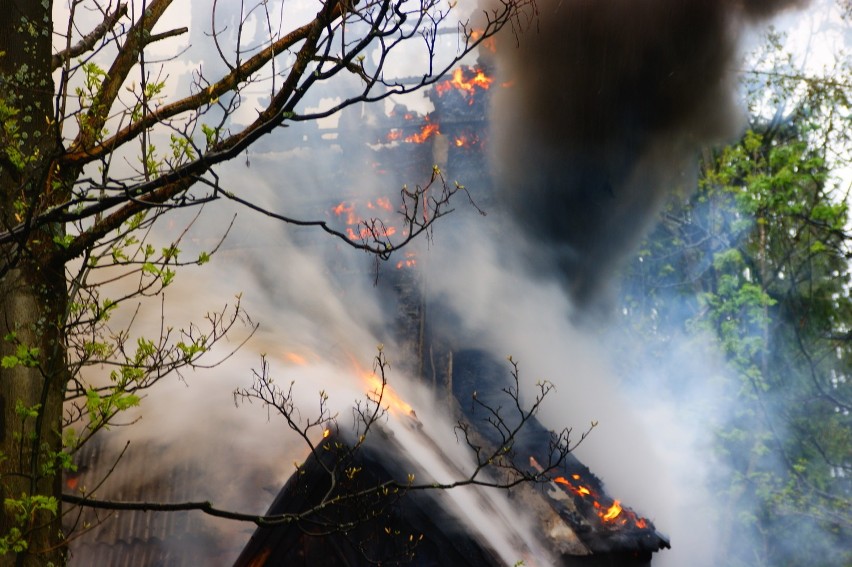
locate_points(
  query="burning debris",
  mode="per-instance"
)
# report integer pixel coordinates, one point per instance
(601, 523)
(582, 526)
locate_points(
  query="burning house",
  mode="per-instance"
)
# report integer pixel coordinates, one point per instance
(572, 521)
(609, 141)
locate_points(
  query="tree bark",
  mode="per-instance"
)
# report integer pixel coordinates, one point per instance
(33, 294)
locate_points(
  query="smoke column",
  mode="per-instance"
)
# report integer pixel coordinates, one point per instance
(609, 103)
(608, 106)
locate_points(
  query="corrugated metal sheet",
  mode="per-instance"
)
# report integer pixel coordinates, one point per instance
(145, 539)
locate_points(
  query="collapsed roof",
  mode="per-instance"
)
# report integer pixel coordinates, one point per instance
(343, 520)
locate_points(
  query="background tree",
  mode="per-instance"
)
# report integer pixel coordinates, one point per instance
(758, 259)
(92, 154)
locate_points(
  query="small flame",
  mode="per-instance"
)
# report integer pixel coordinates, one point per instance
(429, 129)
(612, 512)
(578, 490)
(295, 358)
(488, 43)
(465, 140)
(359, 229)
(390, 399)
(409, 261)
(326, 433)
(347, 209)
(368, 232)
(381, 203)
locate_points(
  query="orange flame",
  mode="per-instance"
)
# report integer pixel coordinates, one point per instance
(381, 203)
(465, 141)
(612, 512)
(358, 228)
(348, 210)
(390, 399)
(367, 232)
(578, 490)
(468, 87)
(296, 358)
(429, 129)
(409, 262)
(608, 516)
(489, 43)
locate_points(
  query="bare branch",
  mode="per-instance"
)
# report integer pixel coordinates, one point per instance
(87, 43)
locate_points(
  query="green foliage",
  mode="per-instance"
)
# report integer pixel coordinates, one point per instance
(93, 78)
(24, 356)
(758, 260)
(12, 542)
(11, 137)
(182, 150)
(103, 407)
(211, 135)
(25, 508)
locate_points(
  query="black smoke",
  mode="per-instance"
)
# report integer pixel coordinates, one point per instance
(609, 104)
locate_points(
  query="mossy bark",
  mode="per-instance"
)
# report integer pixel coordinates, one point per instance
(33, 295)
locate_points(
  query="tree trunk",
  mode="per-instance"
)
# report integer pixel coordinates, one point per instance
(31, 394)
(33, 295)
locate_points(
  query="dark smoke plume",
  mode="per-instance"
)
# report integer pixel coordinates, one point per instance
(609, 104)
